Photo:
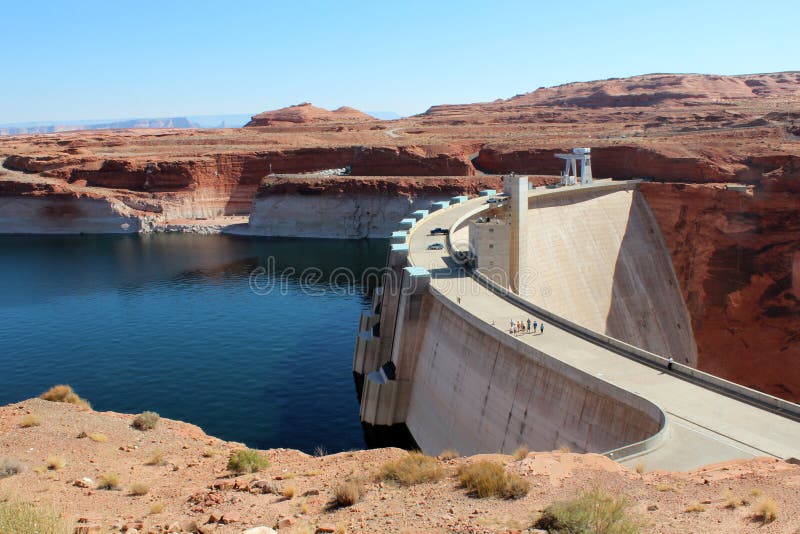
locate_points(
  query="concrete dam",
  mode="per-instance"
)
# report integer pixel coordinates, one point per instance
(436, 353)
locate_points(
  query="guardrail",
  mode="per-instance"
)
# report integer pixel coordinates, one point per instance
(709, 381)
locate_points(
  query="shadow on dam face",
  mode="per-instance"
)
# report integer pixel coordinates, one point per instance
(600, 260)
(647, 307)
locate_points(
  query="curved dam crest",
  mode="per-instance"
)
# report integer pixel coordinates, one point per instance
(437, 355)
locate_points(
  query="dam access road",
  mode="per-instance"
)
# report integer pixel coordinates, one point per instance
(700, 424)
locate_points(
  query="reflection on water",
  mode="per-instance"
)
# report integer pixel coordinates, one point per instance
(169, 323)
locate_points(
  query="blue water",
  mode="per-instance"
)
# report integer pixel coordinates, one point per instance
(170, 323)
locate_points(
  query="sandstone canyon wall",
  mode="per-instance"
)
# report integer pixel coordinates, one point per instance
(351, 207)
(736, 257)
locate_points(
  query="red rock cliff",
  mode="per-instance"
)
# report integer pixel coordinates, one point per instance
(737, 257)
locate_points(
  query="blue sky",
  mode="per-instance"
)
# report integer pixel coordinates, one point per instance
(86, 59)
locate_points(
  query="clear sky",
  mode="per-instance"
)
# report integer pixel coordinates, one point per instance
(87, 59)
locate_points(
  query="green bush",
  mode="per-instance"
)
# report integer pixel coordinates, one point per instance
(412, 469)
(593, 512)
(9, 467)
(146, 421)
(487, 479)
(247, 461)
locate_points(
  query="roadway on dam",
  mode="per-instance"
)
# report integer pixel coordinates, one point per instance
(703, 426)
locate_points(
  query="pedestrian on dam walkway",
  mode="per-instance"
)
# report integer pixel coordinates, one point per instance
(669, 363)
(529, 324)
(535, 325)
(541, 328)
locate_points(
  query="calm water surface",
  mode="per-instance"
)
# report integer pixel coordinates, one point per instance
(169, 323)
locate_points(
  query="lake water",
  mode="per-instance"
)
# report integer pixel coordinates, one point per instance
(197, 328)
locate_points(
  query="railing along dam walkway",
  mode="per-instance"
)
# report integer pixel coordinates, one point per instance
(702, 424)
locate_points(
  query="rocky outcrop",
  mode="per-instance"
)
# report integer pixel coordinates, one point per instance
(306, 113)
(351, 207)
(737, 257)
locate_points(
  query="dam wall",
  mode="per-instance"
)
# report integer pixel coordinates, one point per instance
(477, 389)
(597, 258)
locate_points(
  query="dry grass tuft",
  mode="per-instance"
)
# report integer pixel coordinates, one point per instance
(666, 487)
(288, 492)
(755, 492)
(449, 454)
(563, 448)
(731, 501)
(766, 510)
(320, 450)
(157, 508)
(98, 437)
(521, 453)
(208, 452)
(696, 507)
(54, 463)
(64, 393)
(340, 529)
(23, 518)
(157, 458)
(592, 511)
(415, 468)
(486, 479)
(139, 489)
(639, 467)
(146, 421)
(30, 420)
(247, 461)
(347, 494)
(108, 482)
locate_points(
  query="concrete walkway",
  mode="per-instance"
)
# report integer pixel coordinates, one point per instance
(703, 426)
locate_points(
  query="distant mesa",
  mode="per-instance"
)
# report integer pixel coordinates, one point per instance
(39, 128)
(307, 113)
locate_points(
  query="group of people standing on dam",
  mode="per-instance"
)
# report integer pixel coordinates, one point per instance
(525, 327)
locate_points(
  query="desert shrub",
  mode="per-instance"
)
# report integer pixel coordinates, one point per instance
(30, 420)
(766, 510)
(23, 518)
(157, 458)
(139, 489)
(10, 467)
(696, 507)
(639, 467)
(64, 393)
(731, 501)
(521, 453)
(157, 508)
(108, 482)
(564, 448)
(54, 463)
(146, 421)
(247, 461)
(320, 451)
(347, 493)
(288, 492)
(487, 479)
(593, 511)
(98, 437)
(449, 454)
(413, 468)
